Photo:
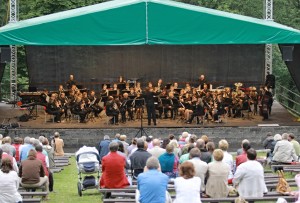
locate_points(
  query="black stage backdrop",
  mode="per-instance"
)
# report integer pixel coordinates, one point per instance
(50, 66)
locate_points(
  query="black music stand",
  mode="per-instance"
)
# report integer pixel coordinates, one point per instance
(121, 86)
(139, 104)
(113, 93)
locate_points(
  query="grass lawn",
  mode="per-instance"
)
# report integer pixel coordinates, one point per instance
(65, 187)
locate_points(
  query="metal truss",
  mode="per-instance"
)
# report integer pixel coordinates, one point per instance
(268, 48)
(13, 13)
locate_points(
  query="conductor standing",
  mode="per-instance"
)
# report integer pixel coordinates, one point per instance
(149, 98)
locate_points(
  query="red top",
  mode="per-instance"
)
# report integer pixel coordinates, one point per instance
(7, 156)
(42, 157)
(17, 147)
(113, 173)
(241, 158)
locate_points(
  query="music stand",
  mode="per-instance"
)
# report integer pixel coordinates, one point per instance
(107, 85)
(139, 104)
(121, 86)
(178, 90)
(112, 92)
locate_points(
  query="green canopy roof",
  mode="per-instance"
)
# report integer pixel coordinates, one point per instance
(136, 22)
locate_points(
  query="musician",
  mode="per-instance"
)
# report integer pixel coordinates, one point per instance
(159, 86)
(149, 98)
(71, 82)
(132, 92)
(266, 101)
(45, 97)
(270, 81)
(167, 105)
(63, 103)
(175, 85)
(104, 91)
(198, 110)
(202, 81)
(79, 108)
(121, 79)
(189, 106)
(138, 88)
(126, 107)
(254, 99)
(54, 108)
(94, 103)
(61, 89)
(115, 88)
(188, 88)
(112, 110)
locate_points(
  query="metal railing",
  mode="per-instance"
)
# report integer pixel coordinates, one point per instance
(289, 99)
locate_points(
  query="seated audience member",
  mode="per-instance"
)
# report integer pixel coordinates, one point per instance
(186, 156)
(284, 151)
(267, 144)
(201, 167)
(187, 186)
(125, 144)
(149, 142)
(104, 147)
(156, 150)
(182, 138)
(24, 149)
(152, 184)
(32, 173)
(16, 145)
(9, 183)
(205, 155)
(210, 146)
(5, 154)
(50, 152)
(223, 145)
(165, 142)
(45, 161)
(1, 152)
(169, 162)
(113, 164)
(139, 158)
(249, 177)
(58, 145)
(217, 184)
(240, 150)
(7, 142)
(296, 145)
(177, 150)
(190, 140)
(242, 157)
(132, 146)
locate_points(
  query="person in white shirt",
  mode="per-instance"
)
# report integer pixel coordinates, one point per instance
(223, 145)
(156, 150)
(249, 177)
(284, 151)
(187, 186)
(201, 167)
(9, 183)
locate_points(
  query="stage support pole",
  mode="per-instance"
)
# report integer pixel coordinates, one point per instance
(268, 10)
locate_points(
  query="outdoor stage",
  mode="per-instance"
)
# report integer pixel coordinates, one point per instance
(78, 134)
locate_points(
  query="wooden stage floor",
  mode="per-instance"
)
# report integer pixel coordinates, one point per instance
(280, 116)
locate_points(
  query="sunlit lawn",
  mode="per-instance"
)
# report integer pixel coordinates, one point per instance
(65, 187)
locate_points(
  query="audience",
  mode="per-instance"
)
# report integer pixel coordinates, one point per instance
(5, 154)
(268, 144)
(186, 156)
(113, 165)
(138, 158)
(9, 183)
(242, 157)
(205, 155)
(227, 159)
(50, 152)
(240, 151)
(169, 162)
(284, 151)
(217, 184)
(201, 167)
(32, 173)
(250, 173)
(152, 184)
(58, 145)
(103, 147)
(125, 144)
(187, 186)
(132, 146)
(6, 141)
(296, 145)
(24, 149)
(17, 144)
(156, 150)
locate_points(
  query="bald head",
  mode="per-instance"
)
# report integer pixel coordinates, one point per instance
(156, 142)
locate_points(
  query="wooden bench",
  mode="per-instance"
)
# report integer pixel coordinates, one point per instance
(37, 193)
(32, 200)
(227, 199)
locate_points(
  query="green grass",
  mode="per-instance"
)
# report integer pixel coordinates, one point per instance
(65, 187)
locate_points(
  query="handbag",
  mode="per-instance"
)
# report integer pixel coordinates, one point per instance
(282, 185)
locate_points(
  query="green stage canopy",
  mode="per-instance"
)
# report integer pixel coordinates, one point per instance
(136, 22)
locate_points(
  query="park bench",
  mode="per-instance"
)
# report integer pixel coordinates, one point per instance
(32, 200)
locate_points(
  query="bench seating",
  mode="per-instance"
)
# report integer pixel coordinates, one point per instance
(32, 200)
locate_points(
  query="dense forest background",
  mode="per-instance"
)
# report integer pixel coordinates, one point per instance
(286, 12)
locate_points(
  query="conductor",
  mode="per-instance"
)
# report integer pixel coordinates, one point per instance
(149, 98)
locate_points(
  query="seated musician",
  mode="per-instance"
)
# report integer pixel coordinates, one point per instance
(71, 82)
(104, 91)
(189, 101)
(219, 109)
(127, 87)
(126, 107)
(202, 81)
(79, 108)
(54, 108)
(64, 103)
(138, 88)
(121, 79)
(132, 92)
(175, 85)
(159, 86)
(112, 110)
(115, 88)
(198, 110)
(167, 105)
(45, 97)
(94, 104)
(61, 89)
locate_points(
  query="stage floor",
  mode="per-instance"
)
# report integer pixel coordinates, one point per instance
(280, 116)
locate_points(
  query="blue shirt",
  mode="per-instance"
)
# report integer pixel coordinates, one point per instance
(152, 186)
(24, 151)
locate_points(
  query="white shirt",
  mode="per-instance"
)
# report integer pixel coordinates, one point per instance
(187, 190)
(227, 159)
(201, 168)
(249, 177)
(9, 185)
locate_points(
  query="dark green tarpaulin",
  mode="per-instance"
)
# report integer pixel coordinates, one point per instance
(136, 22)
